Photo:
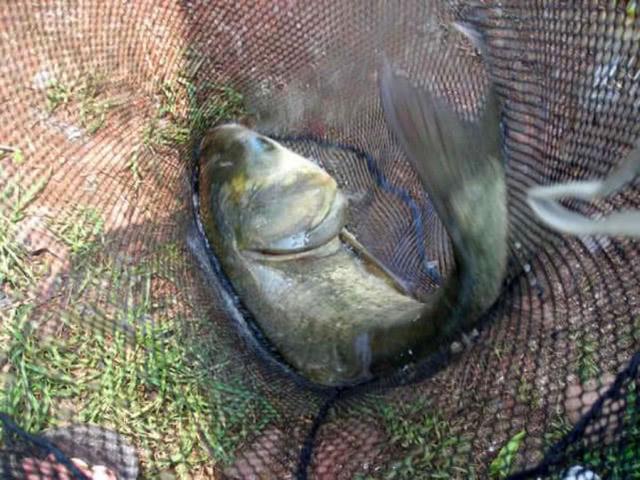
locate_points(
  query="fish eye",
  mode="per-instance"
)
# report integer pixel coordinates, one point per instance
(266, 144)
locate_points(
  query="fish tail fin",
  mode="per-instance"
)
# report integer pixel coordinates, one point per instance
(443, 147)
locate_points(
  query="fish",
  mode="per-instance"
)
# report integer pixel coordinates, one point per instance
(276, 221)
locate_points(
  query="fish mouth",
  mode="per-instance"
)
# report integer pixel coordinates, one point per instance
(313, 242)
(265, 255)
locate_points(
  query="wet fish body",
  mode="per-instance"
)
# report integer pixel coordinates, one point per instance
(276, 222)
(315, 296)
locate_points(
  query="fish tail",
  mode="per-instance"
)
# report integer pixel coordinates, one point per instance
(445, 149)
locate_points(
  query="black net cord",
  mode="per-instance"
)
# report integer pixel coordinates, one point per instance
(557, 453)
(42, 444)
(304, 461)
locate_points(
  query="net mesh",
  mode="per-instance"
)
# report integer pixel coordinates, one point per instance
(113, 319)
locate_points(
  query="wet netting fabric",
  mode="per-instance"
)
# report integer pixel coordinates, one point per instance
(120, 344)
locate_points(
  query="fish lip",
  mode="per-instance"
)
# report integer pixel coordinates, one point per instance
(327, 230)
(265, 255)
(276, 255)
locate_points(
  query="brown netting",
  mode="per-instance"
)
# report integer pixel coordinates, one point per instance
(112, 313)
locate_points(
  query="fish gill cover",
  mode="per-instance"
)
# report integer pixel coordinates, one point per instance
(122, 348)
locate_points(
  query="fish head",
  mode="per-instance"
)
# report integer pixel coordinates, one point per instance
(234, 150)
(264, 197)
